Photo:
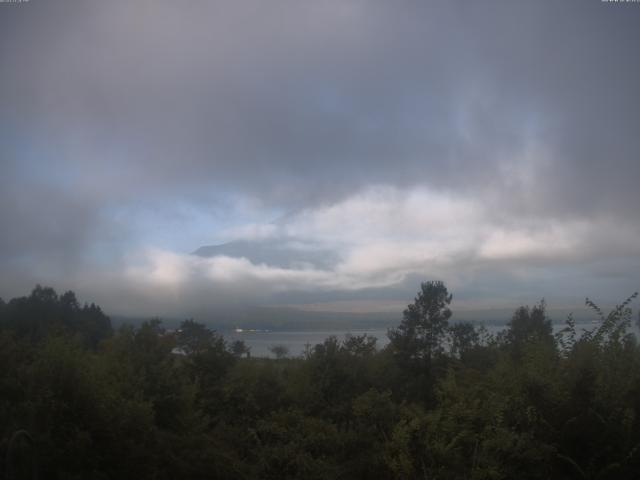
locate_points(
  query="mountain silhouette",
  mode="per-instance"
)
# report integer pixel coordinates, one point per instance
(275, 253)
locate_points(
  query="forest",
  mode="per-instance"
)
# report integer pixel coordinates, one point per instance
(443, 400)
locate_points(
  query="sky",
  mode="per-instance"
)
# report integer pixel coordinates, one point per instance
(346, 150)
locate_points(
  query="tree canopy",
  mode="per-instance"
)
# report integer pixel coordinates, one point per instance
(441, 400)
(420, 335)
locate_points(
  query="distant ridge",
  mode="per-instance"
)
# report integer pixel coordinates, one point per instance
(271, 252)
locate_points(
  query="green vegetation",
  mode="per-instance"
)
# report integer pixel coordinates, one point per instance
(442, 400)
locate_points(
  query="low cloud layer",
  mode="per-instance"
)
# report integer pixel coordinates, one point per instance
(381, 238)
(492, 145)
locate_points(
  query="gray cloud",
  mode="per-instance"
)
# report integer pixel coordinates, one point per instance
(529, 110)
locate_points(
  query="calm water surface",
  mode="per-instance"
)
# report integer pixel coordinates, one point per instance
(296, 342)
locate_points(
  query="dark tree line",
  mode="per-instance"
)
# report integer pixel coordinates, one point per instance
(443, 400)
(44, 313)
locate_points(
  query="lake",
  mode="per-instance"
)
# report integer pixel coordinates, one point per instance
(296, 341)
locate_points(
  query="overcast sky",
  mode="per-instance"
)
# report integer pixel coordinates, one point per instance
(493, 145)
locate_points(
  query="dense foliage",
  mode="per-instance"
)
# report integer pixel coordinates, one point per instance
(443, 400)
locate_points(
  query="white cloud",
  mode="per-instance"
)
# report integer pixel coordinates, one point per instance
(381, 236)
